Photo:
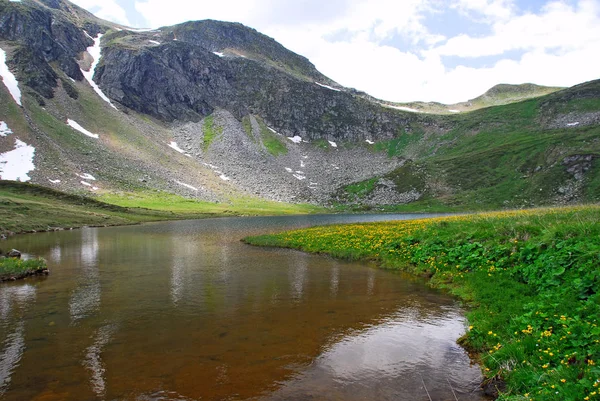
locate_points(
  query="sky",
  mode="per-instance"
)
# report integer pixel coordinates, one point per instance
(407, 50)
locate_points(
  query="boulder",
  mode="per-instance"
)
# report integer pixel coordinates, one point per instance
(14, 254)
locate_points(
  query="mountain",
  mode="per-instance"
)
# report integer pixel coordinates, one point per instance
(219, 112)
(498, 95)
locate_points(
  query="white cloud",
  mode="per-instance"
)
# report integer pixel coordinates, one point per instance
(387, 49)
(559, 27)
(105, 9)
(490, 10)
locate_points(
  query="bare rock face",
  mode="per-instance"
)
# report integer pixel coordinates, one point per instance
(45, 35)
(185, 81)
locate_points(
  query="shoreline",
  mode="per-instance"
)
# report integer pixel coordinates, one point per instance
(528, 278)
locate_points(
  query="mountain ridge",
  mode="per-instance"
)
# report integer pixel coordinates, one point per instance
(217, 112)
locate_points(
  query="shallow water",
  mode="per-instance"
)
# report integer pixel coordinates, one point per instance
(185, 311)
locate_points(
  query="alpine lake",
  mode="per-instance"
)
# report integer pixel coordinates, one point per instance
(186, 311)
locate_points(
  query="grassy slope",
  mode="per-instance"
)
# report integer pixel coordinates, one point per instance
(498, 95)
(531, 277)
(26, 207)
(497, 157)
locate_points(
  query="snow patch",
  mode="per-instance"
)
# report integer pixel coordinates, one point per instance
(275, 132)
(87, 184)
(9, 79)
(75, 125)
(333, 144)
(300, 172)
(219, 54)
(370, 142)
(573, 124)
(187, 185)
(289, 170)
(17, 163)
(86, 176)
(329, 87)
(142, 30)
(454, 111)
(96, 52)
(302, 164)
(154, 42)
(295, 139)
(54, 181)
(4, 130)
(300, 177)
(211, 166)
(400, 108)
(224, 177)
(173, 145)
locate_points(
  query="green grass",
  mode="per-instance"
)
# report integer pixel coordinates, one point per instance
(182, 207)
(211, 132)
(531, 279)
(502, 156)
(272, 142)
(28, 208)
(361, 189)
(12, 267)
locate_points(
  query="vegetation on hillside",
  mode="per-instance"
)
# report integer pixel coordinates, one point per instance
(28, 208)
(530, 277)
(211, 131)
(533, 153)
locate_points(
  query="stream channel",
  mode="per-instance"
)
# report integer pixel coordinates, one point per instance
(185, 311)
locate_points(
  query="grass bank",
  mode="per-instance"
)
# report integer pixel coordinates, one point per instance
(13, 269)
(531, 279)
(28, 208)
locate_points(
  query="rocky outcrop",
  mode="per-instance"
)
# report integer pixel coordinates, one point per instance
(186, 82)
(44, 35)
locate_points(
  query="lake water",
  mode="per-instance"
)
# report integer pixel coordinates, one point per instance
(185, 311)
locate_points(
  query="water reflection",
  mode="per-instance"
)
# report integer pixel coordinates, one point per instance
(85, 299)
(335, 280)
(185, 311)
(15, 295)
(403, 357)
(11, 354)
(93, 359)
(15, 300)
(298, 276)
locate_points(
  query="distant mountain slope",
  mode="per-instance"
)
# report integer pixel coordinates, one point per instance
(496, 96)
(218, 112)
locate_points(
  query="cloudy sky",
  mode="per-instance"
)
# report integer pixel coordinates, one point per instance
(403, 50)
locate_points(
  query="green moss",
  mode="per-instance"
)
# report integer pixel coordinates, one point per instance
(247, 125)
(272, 142)
(211, 132)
